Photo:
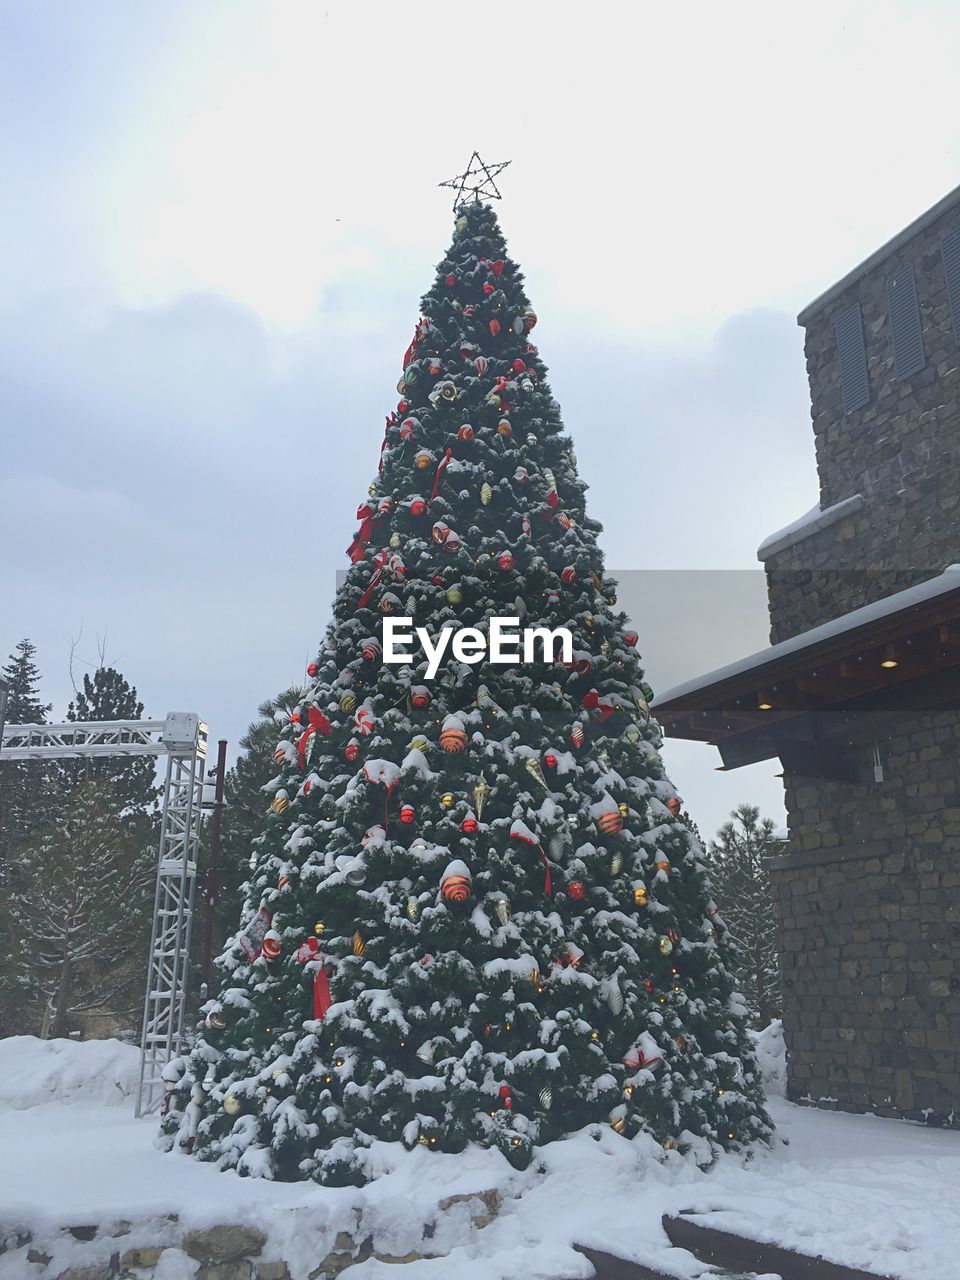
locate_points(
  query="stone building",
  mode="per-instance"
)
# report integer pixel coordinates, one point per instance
(859, 693)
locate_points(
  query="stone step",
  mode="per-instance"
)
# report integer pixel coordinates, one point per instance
(743, 1256)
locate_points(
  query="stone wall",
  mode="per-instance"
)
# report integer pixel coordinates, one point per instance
(165, 1247)
(869, 931)
(869, 895)
(901, 451)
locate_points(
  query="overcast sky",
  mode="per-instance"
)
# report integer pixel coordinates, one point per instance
(218, 219)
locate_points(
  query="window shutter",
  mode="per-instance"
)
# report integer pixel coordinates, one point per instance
(848, 327)
(905, 323)
(950, 248)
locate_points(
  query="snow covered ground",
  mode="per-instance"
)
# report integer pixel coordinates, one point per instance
(878, 1194)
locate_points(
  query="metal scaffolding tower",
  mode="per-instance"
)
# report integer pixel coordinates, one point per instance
(182, 737)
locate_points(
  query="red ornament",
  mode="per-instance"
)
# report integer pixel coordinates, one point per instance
(550, 760)
(465, 433)
(352, 750)
(470, 826)
(576, 733)
(312, 669)
(371, 650)
(648, 986)
(630, 638)
(506, 1097)
(407, 814)
(418, 507)
(494, 327)
(450, 280)
(518, 366)
(497, 267)
(420, 696)
(440, 533)
(271, 944)
(576, 890)
(403, 406)
(481, 364)
(673, 804)
(437, 579)
(505, 561)
(488, 288)
(307, 950)
(469, 309)
(610, 823)
(569, 576)
(590, 699)
(521, 476)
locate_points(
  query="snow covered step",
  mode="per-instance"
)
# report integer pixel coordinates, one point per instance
(746, 1257)
(608, 1267)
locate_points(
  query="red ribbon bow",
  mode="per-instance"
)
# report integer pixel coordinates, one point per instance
(317, 722)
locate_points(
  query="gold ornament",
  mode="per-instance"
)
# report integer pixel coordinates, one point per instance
(681, 1042)
(348, 702)
(662, 864)
(618, 1123)
(372, 489)
(486, 493)
(480, 793)
(454, 594)
(280, 803)
(460, 225)
(419, 743)
(633, 734)
(616, 863)
(319, 928)
(448, 800)
(501, 908)
(535, 976)
(535, 770)
(359, 946)
(423, 460)
(640, 895)
(413, 910)
(448, 390)
(394, 541)
(546, 1097)
(665, 945)
(231, 1104)
(595, 1037)
(624, 809)
(504, 429)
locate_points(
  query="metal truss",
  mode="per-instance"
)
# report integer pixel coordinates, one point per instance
(182, 737)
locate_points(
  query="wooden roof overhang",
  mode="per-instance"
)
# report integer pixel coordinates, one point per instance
(809, 699)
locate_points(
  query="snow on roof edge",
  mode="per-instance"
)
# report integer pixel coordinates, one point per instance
(947, 580)
(816, 518)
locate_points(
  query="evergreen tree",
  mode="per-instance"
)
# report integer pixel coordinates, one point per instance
(741, 886)
(76, 911)
(474, 914)
(25, 793)
(241, 826)
(108, 695)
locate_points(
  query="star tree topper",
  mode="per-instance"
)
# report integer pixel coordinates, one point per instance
(477, 181)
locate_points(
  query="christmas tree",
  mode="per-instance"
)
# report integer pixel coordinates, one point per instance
(475, 913)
